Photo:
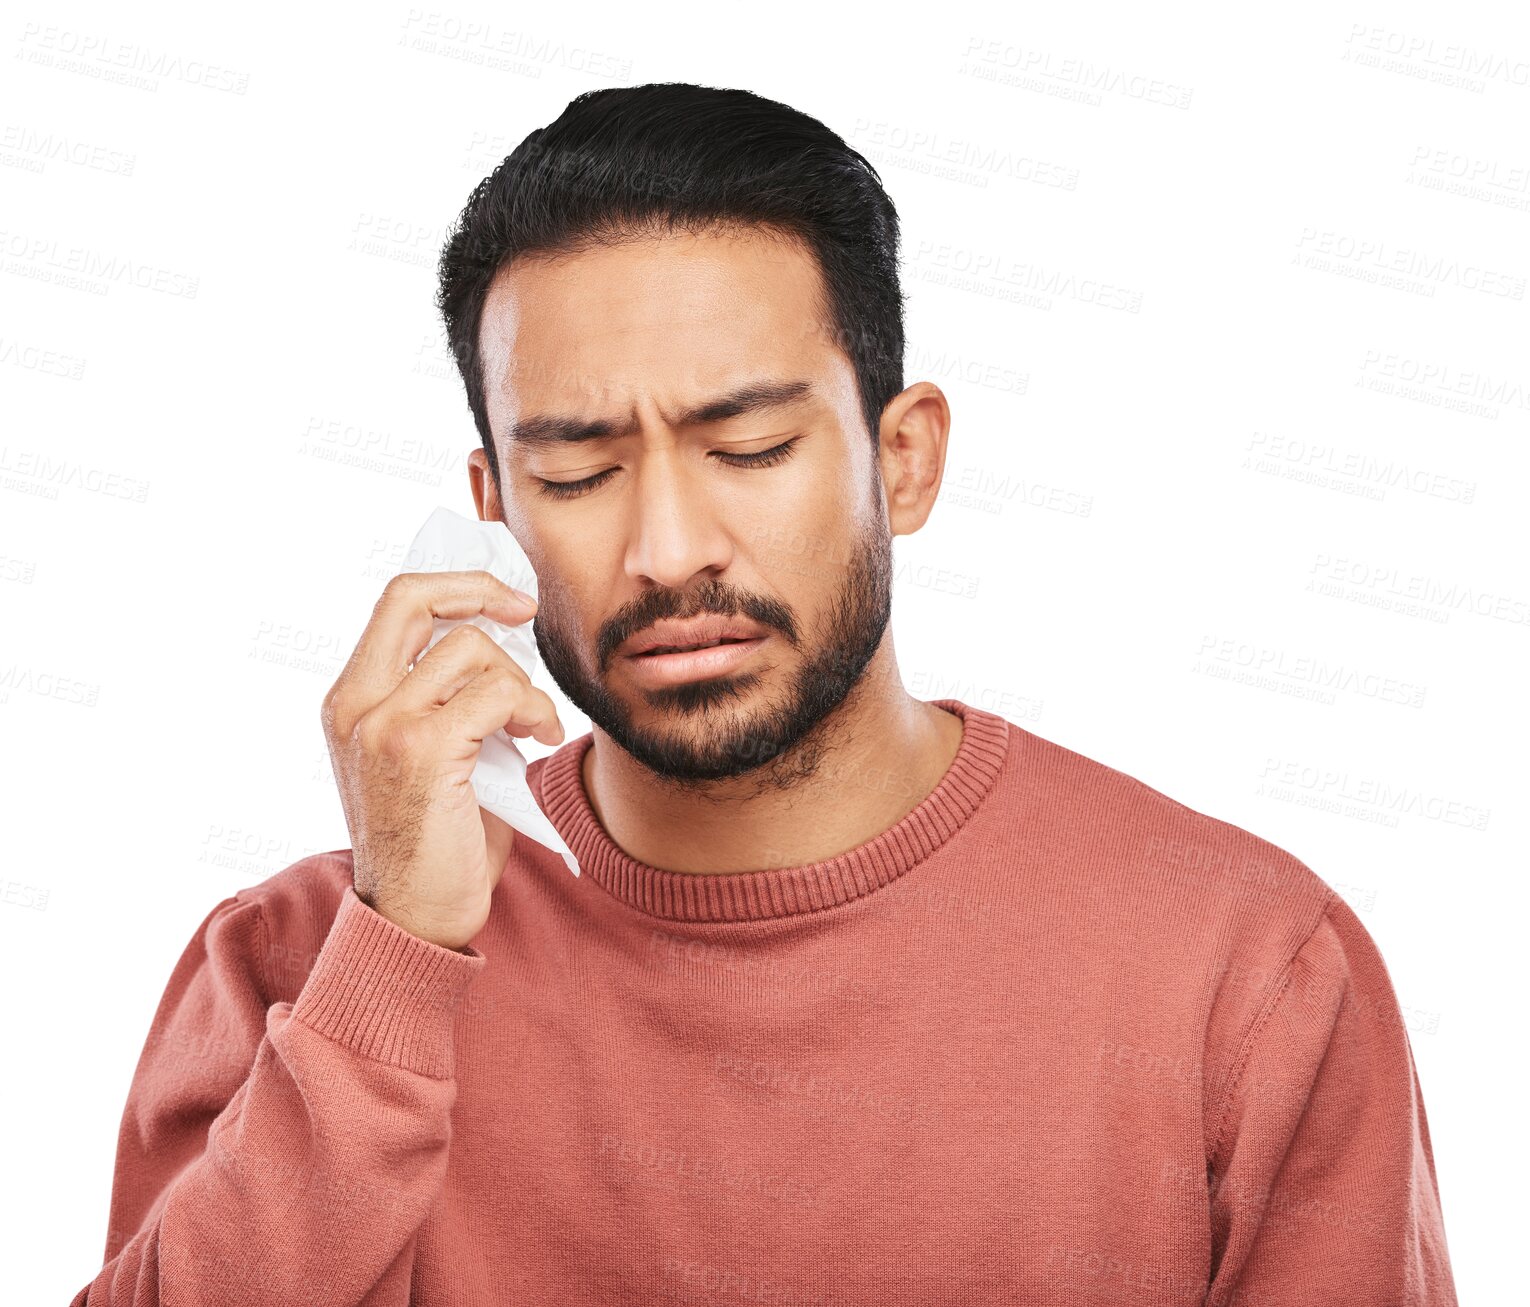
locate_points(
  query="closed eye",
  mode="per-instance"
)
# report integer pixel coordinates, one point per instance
(762, 458)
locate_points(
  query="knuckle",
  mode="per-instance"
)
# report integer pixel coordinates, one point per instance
(483, 645)
(330, 713)
(399, 587)
(506, 684)
(373, 735)
(362, 737)
(395, 739)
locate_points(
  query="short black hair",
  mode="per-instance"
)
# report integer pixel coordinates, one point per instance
(624, 161)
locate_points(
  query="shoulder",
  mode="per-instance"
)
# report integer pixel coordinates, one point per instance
(1182, 903)
(1145, 847)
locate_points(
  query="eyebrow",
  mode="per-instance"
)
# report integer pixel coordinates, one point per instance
(543, 432)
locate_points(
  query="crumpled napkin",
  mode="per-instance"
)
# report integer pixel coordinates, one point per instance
(450, 542)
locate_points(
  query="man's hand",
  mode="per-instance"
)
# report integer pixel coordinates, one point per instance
(404, 737)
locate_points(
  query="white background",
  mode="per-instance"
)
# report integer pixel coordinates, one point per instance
(1224, 508)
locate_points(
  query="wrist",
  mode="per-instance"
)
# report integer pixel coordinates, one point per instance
(441, 934)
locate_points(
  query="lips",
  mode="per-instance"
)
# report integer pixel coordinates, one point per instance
(703, 632)
(684, 648)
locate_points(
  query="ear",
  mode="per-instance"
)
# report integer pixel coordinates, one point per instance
(485, 497)
(912, 447)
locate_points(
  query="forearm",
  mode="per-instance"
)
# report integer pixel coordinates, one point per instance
(317, 1174)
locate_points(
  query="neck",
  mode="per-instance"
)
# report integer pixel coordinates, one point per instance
(876, 757)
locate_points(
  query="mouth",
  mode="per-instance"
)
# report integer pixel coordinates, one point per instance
(668, 637)
(692, 648)
(665, 666)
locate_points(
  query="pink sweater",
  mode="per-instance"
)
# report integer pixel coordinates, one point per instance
(1052, 1038)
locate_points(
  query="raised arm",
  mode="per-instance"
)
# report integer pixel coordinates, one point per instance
(278, 1153)
(286, 1154)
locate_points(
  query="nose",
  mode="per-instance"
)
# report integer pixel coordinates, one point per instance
(677, 529)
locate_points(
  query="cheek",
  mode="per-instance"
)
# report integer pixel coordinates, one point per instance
(804, 548)
(808, 495)
(548, 573)
(572, 589)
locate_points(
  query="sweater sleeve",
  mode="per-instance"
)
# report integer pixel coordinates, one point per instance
(288, 1153)
(1322, 1176)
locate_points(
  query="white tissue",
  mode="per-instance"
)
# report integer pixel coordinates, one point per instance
(450, 542)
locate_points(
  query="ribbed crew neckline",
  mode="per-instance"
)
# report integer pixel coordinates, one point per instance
(777, 891)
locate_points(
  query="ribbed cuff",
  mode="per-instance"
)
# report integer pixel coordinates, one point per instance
(385, 993)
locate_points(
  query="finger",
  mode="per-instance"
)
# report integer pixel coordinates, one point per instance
(403, 621)
(491, 699)
(446, 667)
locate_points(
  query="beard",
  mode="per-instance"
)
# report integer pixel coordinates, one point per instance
(727, 726)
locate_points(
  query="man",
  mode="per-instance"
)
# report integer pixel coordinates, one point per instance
(859, 999)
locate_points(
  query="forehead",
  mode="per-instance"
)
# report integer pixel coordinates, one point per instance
(659, 320)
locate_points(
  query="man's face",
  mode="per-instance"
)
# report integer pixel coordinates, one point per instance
(673, 521)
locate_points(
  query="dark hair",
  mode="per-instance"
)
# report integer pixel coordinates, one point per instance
(624, 161)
